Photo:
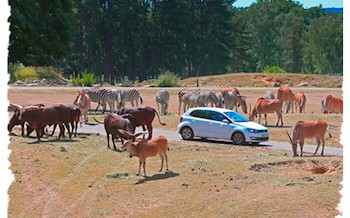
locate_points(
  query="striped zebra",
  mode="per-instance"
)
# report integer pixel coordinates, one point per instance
(162, 99)
(101, 96)
(269, 95)
(203, 99)
(189, 100)
(131, 95)
(230, 100)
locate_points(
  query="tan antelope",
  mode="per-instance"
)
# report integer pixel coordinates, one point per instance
(148, 148)
(303, 130)
(300, 102)
(267, 106)
(84, 104)
(333, 104)
(286, 95)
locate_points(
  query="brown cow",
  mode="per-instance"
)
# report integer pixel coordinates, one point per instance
(333, 104)
(15, 121)
(265, 106)
(140, 116)
(300, 102)
(303, 130)
(39, 117)
(113, 123)
(286, 95)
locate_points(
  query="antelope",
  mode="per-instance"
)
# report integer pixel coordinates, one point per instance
(333, 104)
(300, 102)
(303, 130)
(266, 106)
(148, 148)
(286, 95)
(83, 102)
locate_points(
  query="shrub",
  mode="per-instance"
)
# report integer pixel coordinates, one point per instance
(88, 79)
(26, 74)
(273, 69)
(168, 79)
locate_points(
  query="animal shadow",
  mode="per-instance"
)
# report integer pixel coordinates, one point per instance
(168, 174)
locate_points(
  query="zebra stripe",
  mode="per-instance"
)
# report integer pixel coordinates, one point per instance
(102, 96)
(162, 99)
(205, 98)
(131, 95)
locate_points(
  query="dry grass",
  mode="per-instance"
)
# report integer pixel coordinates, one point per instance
(82, 178)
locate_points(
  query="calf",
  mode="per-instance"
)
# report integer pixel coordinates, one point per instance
(148, 148)
(113, 123)
(15, 121)
(300, 102)
(140, 116)
(302, 130)
(265, 106)
(39, 117)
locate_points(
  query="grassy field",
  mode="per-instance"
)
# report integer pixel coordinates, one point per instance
(83, 178)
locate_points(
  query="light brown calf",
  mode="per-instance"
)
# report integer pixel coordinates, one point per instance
(148, 148)
(303, 130)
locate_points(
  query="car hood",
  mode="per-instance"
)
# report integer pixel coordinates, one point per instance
(251, 125)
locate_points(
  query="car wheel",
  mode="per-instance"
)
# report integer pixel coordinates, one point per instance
(238, 138)
(186, 133)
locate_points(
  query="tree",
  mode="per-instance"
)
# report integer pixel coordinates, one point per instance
(41, 31)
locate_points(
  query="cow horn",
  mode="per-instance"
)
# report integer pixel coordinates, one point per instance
(16, 106)
(291, 141)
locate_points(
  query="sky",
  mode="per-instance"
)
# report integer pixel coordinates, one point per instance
(304, 3)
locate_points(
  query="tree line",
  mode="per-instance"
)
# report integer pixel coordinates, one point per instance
(141, 39)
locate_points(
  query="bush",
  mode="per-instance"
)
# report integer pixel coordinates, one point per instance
(273, 69)
(168, 79)
(88, 79)
(26, 74)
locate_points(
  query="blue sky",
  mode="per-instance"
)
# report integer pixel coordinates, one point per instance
(305, 3)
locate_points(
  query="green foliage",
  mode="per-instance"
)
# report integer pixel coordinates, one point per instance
(168, 79)
(88, 79)
(273, 69)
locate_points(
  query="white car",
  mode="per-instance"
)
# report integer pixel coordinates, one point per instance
(220, 123)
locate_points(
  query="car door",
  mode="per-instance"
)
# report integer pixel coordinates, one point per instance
(217, 128)
(199, 122)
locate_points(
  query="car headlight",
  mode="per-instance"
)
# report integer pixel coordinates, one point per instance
(252, 130)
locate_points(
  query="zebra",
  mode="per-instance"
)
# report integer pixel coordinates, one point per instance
(131, 95)
(162, 98)
(203, 99)
(180, 94)
(230, 100)
(269, 95)
(189, 100)
(101, 96)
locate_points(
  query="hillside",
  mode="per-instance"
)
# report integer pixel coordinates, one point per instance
(263, 80)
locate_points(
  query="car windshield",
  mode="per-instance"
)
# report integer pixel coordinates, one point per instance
(236, 117)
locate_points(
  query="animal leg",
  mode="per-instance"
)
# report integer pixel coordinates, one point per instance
(301, 144)
(68, 129)
(318, 141)
(150, 129)
(323, 142)
(140, 162)
(162, 159)
(294, 147)
(107, 140)
(144, 168)
(265, 119)
(113, 138)
(166, 161)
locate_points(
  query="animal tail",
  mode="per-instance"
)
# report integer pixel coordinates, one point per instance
(98, 121)
(141, 99)
(159, 117)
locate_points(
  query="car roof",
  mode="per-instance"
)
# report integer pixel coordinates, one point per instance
(210, 108)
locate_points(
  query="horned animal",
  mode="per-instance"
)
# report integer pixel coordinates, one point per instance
(333, 104)
(286, 95)
(300, 102)
(148, 148)
(303, 130)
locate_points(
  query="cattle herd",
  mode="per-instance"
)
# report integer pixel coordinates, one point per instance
(122, 121)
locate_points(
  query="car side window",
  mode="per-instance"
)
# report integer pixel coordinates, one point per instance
(216, 116)
(200, 114)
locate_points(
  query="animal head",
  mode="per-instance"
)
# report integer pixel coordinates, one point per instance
(293, 143)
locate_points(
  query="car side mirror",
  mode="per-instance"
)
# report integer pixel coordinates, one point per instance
(226, 121)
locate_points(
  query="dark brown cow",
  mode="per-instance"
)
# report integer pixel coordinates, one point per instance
(113, 123)
(141, 116)
(14, 121)
(74, 120)
(39, 117)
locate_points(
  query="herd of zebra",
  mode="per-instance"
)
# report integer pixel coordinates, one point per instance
(116, 99)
